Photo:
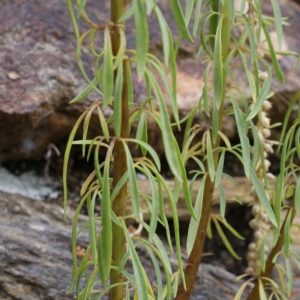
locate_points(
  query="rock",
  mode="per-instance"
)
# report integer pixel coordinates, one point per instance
(35, 254)
(39, 74)
(35, 251)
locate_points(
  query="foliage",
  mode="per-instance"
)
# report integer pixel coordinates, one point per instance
(113, 183)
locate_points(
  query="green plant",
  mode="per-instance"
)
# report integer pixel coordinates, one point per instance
(103, 266)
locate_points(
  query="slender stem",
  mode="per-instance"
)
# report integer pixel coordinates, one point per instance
(120, 168)
(254, 294)
(197, 251)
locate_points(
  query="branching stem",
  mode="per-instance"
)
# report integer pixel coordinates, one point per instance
(197, 252)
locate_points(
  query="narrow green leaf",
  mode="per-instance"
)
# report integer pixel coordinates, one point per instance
(127, 14)
(141, 283)
(74, 236)
(222, 200)
(142, 35)
(262, 254)
(164, 34)
(297, 196)
(194, 224)
(262, 293)
(122, 48)
(86, 91)
(297, 141)
(278, 21)
(118, 101)
(97, 166)
(286, 232)
(210, 157)
(218, 67)
(250, 37)
(219, 171)
(142, 132)
(155, 205)
(179, 19)
(73, 18)
(287, 119)
(262, 196)
(275, 62)
(231, 10)
(129, 86)
(289, 275)
(81, 6)
(215, 122)
(133, 186)
(168, 137)
(197, 17)
(243, 138)
(107, 79)
(225, 240)
(92, 229)
(205, 97)
(103, 123)
(119, 185)
(105, 239)
(262, 96)
(213, 24)
(203, 35)
(149, 149)
(66, 160)
(189, 4)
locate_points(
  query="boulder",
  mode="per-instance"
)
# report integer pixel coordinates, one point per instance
(39, 74)
(36, 261)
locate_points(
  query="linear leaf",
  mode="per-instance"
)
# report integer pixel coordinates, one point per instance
(261, 193)
(118, 101)
(197, 17)
(222, 200)
(105, 239)
(149, 149)
(164, 34)
(142, 35)
(219, 171)
(262, 96)
(286, 233)
(107, 79)
(251, 38)
(141, 283)
(133, 186)
(278, 21)
(168, 137)
(297, 196)
(194, 224)
(224, 239)
(66, 159)
(122, 48)
(218, 67)
(179, 19)
(243, 138)
(213, 24)
(275, 62)
(210, 157)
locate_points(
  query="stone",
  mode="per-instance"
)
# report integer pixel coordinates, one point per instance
(39, 75)
(36, 259)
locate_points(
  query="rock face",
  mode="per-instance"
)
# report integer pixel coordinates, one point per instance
(35, 254)
(39, 74)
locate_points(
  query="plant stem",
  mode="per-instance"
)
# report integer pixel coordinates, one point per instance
(120, 168)
(196, 254)
(254, 294)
